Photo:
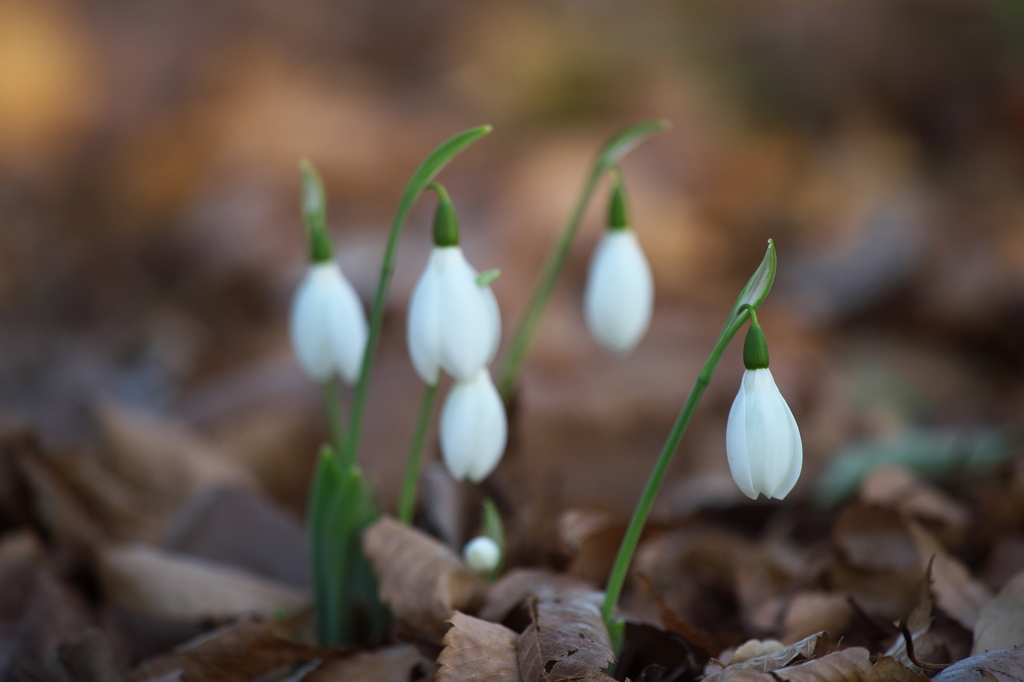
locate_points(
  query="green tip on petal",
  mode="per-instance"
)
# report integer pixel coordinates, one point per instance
(314, 210)
(755, 348)
(485, 278)
(446, 223)
(618, 209)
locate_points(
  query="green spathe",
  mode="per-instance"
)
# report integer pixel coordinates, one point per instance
(314, 214)
(755, 348)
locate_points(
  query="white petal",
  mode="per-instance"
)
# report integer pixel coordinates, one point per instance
(474, 428)
(736, 445)
(423, 329)
(770, 443)
(482, 554)
(328, 326)
(619, 295)
(494, 321)
(467, 327)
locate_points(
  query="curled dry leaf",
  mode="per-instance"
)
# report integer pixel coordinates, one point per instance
(897, 488)
(235, 653)
(1004, 665)
(567, 639)
(774, 659)
(1000, 624)
(478, 650)
(917, 624)
(422, 580)
(518, 585)
(812, 611)
(956, 592)
(158, 583)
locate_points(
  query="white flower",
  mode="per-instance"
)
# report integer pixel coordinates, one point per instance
(454, 324)
(474, 428)
(328, 325)
(619, 295)
(482, 554)
(762, 438)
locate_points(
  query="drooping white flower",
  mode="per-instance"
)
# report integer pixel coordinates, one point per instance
(619, 295)
(454, 324)
(762, 439)
(474, 428)
(328, 325)
(482, 554)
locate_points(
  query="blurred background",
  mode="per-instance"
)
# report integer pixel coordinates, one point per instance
(150, 239)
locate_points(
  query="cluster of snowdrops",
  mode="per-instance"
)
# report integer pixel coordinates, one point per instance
(454, 325)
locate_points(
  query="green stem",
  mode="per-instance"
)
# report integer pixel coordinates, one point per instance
(407, 505)
(430, 167)
(643, 509)
(335, 415)
(614, 149)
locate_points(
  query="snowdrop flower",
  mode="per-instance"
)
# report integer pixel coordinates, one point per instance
(482, 554)
(453, 323)
(762, 439)
(328, 325)
(474, 428)
(619, 294)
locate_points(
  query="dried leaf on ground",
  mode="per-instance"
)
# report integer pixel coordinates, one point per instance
(875, 538)
(162, 457)
(1000, 624)
(399, 663)
(61, 513)
(918, 623)
(478, 650)
(422, 580)
(956, 592)
(776, 659)
(158, 583)
(812, 611)
(897, 488)
(567, 638)
(88, 658)
(518, 585)
(235, 653)
(1004, 665)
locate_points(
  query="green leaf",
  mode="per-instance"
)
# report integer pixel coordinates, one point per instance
(759, 284)
(623, 142)
(420, 180)
(493, 528)
(484, 279)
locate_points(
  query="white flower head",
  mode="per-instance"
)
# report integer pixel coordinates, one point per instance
(454, 323)
(474, 428)
(328, 325)
(762, 439)
(482, 554)
(619, 295)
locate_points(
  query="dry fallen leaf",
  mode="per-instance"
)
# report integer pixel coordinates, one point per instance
(567, 639)
(478, 650)
(1000, 624)
(956, 592)
(158, 583)
(517, 586)
(422, 580)
(775, 659)
(917, 623)
(399, 663)
(1004, 665)
(235, 653)
(812, 611)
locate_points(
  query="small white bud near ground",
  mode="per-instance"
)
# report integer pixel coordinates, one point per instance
(474, 428)
(762, 439)
(482, 554)
(328, 325)
(454, 324)
(619, 295)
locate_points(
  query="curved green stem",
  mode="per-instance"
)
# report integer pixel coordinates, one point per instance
(335, 415)
(614, 149)
(750, 299)
(407, 504)
(423, 176)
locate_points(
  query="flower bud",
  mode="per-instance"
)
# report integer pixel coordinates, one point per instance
(328, 325)
(482, 554)
(762, 439)
(474, 428)
(619, 295)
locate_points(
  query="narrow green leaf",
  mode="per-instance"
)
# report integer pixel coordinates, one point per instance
(485, 278)
(625, 140)
(759, 284)
(423, 176)
(493, 527)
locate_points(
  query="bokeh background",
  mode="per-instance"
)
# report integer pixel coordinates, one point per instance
(150, 239)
